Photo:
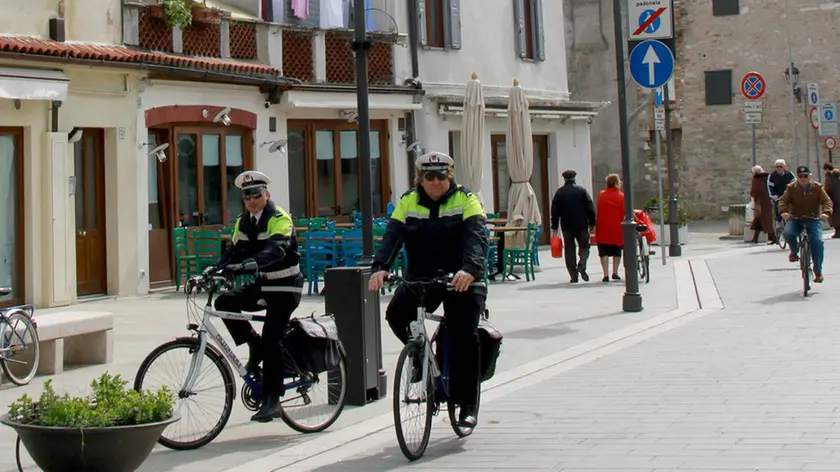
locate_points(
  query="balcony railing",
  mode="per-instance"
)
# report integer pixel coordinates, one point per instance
(309, 55)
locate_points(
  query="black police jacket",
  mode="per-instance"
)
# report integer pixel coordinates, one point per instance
(272, 243)
(448, 234)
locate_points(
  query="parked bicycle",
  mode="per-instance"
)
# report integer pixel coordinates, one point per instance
(305, 407)
(20, 350)
(643, 254)
(421, 379)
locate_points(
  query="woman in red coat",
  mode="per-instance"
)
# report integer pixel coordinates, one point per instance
(608, 232)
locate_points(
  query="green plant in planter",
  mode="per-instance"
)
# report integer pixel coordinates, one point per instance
(108, 404)
(178, 13)
(652, 205)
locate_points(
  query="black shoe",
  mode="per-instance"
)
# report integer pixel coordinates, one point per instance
(573, 280)
(254, 357)
(605, 279)
(268, 409)
(616, 277)
(582, 271)
(467, 417)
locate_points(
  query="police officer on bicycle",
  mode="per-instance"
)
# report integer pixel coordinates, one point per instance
(442, 225)
(263, 237)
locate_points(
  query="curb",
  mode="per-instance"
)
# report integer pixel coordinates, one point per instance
(697, 296)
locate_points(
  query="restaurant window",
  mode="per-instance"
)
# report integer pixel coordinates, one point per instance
(325, 170)
(11, 215)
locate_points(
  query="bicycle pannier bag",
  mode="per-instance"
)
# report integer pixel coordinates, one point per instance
(313, 343)
(490, 339)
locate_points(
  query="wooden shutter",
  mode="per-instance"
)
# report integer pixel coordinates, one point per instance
(539, 32)
(421, 23)
(519, 27)
(454, 24)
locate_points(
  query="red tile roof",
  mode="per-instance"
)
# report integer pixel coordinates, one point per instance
(122, 54)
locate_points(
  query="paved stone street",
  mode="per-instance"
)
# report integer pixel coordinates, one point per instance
(539, 320)
(749, 382)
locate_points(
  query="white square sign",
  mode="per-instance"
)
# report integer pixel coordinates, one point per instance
(650, 19)
(813, 94)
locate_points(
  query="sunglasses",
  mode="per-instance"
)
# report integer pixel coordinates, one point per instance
(804, 175)
(430, 176)
(252, 196)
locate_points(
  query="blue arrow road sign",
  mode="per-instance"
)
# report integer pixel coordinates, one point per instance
(651, 64)
(659, 96)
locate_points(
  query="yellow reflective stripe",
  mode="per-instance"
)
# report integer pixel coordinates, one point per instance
(472, 207)
(399, 211)
(452, 212)
(279, 225)
(237, 235)
(263, 236)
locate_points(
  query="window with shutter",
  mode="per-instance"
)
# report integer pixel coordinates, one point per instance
(439, 23)
(725, 7)
(529, 31)
(719, 87)
(434, 23)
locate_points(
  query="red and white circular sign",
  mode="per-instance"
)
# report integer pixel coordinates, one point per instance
(815, 118)
(830, 143)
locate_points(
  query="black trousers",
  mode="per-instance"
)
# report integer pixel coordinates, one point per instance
(462, 311)
(279, 307)
(573, 238)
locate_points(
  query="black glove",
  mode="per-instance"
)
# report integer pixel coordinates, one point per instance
(246, 266)
(209, 270)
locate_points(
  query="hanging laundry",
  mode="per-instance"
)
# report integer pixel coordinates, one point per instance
(300, 8)
(331, 14)
(369, 23)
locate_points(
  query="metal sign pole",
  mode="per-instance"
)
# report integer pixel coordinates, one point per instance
(661, 203)
(817, 149)
(753, 144)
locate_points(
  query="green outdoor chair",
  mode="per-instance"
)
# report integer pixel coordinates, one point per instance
(207, 247)
(185, 261)
(521, 257)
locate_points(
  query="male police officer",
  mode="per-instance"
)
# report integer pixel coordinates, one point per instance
(442, 226)
(264, 237)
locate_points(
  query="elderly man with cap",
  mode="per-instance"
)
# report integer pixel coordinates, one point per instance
(803, 205)
(441, 225)
(573, 211)
(777, 183)
(263, 237)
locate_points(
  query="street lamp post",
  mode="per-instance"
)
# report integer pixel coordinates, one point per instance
(791, 76)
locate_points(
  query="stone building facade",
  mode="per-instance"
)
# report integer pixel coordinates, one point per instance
(721, 40)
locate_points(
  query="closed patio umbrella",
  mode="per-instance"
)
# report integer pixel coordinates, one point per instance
(472, 137)
(522, 201)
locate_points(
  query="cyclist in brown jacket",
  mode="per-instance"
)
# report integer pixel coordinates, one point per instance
(800, 206)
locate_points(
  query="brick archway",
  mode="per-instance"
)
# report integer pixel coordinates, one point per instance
(173, 114)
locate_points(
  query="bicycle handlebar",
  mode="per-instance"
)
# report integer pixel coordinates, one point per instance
(446, 279)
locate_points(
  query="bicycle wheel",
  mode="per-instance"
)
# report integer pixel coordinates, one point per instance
(647, 269)
(413, 429)
(780, 237)
(173, 359)
(805, 266)
(319, 399)
(20, 350)
(455, 411)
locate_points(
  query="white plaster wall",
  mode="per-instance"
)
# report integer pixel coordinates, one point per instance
(489, 49)
(98, 21)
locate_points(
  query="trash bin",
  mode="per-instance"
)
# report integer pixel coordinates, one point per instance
(357, 316)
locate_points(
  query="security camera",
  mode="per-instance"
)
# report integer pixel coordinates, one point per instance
(75, 135)
(158, 152)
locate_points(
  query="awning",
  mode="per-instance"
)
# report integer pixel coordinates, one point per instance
(496, 112)
(343, 100)
(33, 84)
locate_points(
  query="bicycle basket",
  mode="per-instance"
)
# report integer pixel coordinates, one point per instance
(313, 343)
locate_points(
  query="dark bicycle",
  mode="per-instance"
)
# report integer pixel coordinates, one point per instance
(420, 381)
(778, 226)
(642, 254)
(305, 408)
(806, 265)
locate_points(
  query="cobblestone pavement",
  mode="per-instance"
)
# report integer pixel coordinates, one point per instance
(749, 382)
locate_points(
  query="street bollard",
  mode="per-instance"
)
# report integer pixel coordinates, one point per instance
(357, 317)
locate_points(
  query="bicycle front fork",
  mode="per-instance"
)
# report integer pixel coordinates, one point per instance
(195, 363)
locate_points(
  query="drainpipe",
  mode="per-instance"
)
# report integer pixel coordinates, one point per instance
(54, 115)
(414, 48)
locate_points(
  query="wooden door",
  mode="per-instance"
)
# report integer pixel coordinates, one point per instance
(160, 228)
(91, 273)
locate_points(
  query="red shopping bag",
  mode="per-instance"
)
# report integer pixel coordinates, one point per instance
(556, 247)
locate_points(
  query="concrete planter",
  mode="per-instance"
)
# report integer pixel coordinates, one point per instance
(666, 238)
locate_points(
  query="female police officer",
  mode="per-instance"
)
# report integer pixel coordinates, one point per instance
(442, 226)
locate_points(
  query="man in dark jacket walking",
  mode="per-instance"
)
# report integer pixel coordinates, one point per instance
(573, 209)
